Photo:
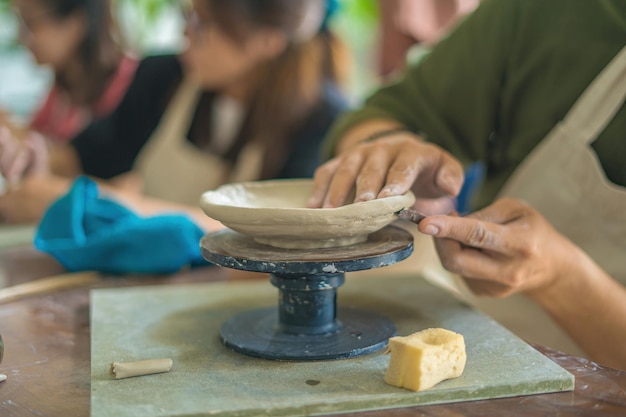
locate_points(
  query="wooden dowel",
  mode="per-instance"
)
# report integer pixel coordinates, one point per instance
(48, 285)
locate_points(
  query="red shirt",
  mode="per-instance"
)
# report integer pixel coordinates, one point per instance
(60, 120)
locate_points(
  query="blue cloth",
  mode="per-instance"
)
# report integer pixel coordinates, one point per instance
(86, 232)
(474, 175)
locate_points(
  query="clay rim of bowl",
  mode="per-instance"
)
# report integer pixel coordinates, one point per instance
(231, 212)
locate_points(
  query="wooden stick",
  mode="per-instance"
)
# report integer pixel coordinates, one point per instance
(48, 285)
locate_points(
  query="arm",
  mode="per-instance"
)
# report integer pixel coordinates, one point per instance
(148, 206)
(509, 248)
(452, 95)
(107, 147)
(597, 320)
(386, 166)
(28, 202)
(450, 98)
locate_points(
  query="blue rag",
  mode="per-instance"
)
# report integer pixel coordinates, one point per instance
(86, 232)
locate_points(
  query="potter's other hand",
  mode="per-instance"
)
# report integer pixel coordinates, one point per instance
(28, 202)
(505, 248)
(387, 166)
(20, 157)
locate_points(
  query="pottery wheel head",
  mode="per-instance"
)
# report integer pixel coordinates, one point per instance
(275, 213)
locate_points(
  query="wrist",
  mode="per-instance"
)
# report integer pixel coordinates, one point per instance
(571, 276)
(357, 133)
(380, 134)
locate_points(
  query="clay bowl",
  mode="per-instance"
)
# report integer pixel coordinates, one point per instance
(274, 213)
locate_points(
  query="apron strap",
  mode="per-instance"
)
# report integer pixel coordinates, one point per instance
(599, 103)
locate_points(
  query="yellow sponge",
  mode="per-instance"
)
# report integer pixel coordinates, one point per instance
(423, 359)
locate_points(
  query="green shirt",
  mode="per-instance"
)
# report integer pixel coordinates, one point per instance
(495, 87)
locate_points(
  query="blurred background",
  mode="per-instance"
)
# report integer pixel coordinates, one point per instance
(156, 26)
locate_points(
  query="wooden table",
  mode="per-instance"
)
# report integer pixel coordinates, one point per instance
(47, 355)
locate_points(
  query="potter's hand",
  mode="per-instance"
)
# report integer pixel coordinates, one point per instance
(505, 248)
(387, 166)
(21, 157)
(29, 201)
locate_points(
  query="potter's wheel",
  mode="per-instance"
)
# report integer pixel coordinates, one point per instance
(307, 325)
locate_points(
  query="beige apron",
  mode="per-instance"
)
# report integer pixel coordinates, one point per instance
(563, 179)
(174, 169)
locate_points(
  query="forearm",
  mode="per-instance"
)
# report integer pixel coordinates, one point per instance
(148, 206)
(64, 162)
(591, 307)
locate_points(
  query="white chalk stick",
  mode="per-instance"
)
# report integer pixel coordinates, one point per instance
(129, 369)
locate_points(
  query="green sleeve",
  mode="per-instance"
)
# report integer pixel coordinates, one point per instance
(451, 95)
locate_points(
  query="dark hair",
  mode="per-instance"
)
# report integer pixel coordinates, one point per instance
(100, 51)
(292, 82)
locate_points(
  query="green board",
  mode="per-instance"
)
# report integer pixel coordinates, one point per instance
(208, 379)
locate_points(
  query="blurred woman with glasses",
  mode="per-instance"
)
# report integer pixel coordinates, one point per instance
(250, 98)
(79, 41)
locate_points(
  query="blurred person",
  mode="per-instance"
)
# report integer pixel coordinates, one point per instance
(534, 90)
(250, 98)
(409, 28)
(80, 42)
(407, 23)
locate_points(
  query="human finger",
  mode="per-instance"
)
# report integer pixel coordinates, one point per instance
(467, 261)
(401, 174)
(502, 211)
(343, 180)
(449, 175)
(17, 166)
(333, 181)
(372, 175)
(468, 231)
(38, 152)
(321, 182)
(433, 171)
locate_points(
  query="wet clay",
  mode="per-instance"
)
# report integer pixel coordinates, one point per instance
(275, 213)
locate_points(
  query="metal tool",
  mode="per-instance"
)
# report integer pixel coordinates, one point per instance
(411, 215)
(1, 348)
(307, 325)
